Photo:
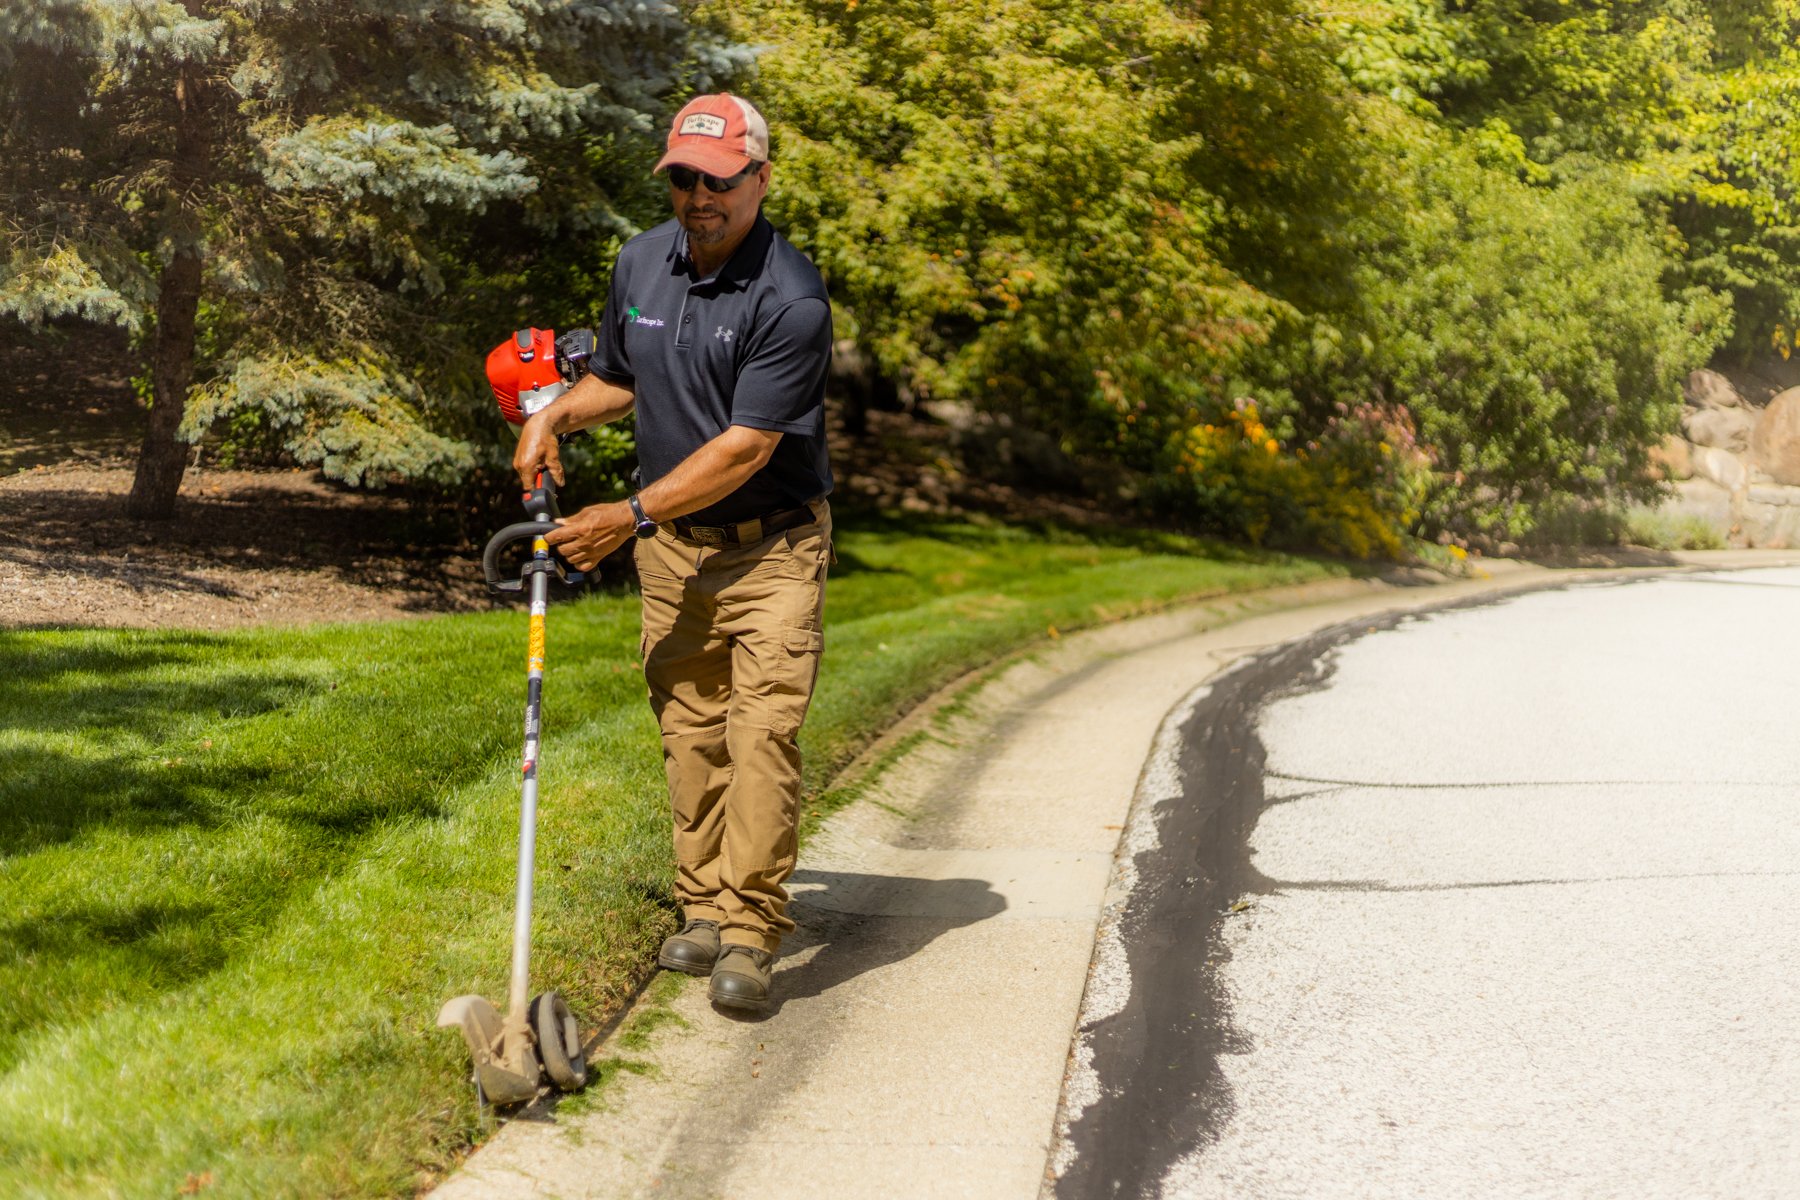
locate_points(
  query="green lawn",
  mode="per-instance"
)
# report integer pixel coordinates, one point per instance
(239, 872)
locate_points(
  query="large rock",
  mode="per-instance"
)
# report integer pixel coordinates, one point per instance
(1709, 389)
(1673, 459)
(1773, 494)
(1721, 466)
(1775, 443)
(1769, 526)
(1726, 428)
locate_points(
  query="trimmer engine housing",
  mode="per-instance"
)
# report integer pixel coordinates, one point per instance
(534, 366)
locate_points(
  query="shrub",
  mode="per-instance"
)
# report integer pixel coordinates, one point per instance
(1355, 490)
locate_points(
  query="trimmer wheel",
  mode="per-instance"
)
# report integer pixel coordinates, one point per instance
(559, 1042)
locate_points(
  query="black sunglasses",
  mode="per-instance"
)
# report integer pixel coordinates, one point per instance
(683, 179)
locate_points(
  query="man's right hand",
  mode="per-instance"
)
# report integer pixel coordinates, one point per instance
(537, 451)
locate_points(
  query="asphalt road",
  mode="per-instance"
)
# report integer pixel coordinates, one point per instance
(1500, 900)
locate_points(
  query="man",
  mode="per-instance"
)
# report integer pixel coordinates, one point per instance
(717, 332)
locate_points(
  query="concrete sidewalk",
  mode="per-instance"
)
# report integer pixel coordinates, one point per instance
(926, 1008)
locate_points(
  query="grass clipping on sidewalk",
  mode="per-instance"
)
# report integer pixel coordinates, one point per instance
(240, 872)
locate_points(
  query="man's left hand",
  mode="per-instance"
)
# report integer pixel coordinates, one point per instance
(592, 534)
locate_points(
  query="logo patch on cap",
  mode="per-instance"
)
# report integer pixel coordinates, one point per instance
(704, 124)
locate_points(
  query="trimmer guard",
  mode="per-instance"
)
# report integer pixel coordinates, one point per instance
(506, 1061)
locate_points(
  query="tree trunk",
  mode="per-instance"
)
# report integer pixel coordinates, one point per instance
(164, 457)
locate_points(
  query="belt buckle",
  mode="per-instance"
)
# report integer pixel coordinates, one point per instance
(707, 535)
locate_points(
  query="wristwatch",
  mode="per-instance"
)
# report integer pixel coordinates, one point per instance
(645, 527)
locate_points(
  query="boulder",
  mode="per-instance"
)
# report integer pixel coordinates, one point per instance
(1773, 494)
(1674, 459)
(1775, 443)
(1769, 526)
(1726, 428)
(1709, 389)
(1721, 466)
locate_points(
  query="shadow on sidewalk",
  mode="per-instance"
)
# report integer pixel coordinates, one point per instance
(861, 923)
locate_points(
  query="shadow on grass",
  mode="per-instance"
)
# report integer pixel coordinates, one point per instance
(86, 718)
(64, 965)
(180, 793)
(848, 563)
(172, 943)
(117, 733)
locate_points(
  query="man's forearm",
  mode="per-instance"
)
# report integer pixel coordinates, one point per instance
(709, 474)
(592, 401)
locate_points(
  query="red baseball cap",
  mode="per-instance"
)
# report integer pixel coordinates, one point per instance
(719, 134)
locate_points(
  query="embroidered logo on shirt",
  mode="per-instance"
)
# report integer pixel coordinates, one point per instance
(725, 335)
(638, 318)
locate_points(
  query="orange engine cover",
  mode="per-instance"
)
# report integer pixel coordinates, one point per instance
(522, 371)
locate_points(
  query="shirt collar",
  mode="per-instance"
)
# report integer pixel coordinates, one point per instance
(744, 262)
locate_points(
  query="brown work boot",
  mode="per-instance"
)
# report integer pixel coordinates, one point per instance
(693, 950)
(740, 979)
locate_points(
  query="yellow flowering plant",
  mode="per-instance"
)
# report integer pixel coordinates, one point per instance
(1354, 490)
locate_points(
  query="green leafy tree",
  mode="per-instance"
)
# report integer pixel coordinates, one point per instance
(1739, 214)
(307, 212)
(1694, 102)
(1003, 207)
(1528, 332)
(1528, 319)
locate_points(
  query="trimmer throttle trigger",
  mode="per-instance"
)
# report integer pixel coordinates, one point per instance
(540, 501)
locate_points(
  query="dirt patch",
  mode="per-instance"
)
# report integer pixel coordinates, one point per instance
(258, 547)
(244, 548)
(289, 547)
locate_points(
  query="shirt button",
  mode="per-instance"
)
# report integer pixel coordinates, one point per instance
(687, 318)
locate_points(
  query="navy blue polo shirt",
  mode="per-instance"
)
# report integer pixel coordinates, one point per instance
(746, 346)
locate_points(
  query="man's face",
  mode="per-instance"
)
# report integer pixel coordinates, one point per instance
(712, 218)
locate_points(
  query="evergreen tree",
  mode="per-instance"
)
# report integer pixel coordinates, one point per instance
(275, 198)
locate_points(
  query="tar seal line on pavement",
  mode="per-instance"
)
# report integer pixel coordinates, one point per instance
(1161, 1093)
(1152, 1064)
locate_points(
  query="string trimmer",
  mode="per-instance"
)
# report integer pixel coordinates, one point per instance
(537, 1037)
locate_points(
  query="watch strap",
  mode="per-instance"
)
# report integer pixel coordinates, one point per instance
(645, 527)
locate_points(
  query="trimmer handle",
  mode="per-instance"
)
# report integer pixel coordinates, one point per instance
(540, 502)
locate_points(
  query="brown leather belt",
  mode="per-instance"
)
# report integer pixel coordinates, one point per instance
(744, 533)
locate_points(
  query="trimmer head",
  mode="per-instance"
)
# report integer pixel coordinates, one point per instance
(506, 1061)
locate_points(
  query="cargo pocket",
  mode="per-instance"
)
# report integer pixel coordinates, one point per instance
(804, 641)
(797, 672)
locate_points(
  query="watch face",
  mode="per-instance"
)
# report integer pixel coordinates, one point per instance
(646, 528)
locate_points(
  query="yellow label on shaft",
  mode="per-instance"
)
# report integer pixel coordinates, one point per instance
(534, 654)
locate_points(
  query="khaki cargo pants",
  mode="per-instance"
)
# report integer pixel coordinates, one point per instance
(732, 639)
